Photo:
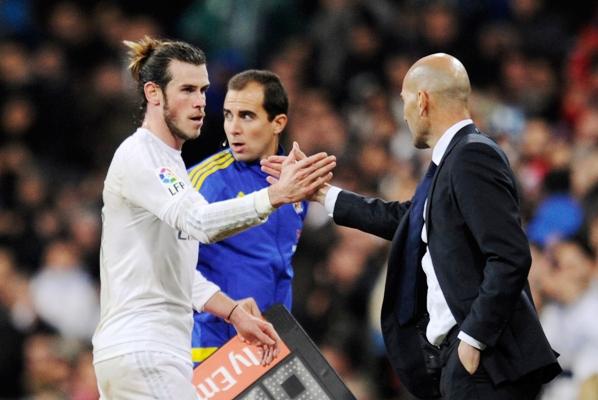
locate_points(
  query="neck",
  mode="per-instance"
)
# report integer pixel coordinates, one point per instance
(443, 124)
(157, 125)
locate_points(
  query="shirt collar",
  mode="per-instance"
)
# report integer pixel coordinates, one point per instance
(445, 140)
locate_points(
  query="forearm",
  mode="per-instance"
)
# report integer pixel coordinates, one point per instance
(215, 221)
(221, 306)
(371, 215)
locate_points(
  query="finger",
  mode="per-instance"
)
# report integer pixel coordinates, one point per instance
(270, 331)
(272, 165)
(275, 172)
(323, 166)
(312, 163)
(263, 334)
(316, 171)
(318, 183)
(275, 159)
(271, 180)
(290, 159)
(271, 350)
(311, 159)
(299, 155)
(266, 355)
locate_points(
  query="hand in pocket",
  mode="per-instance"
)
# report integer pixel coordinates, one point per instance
(469, 357)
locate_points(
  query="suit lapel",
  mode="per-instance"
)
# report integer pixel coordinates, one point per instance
(456, 139)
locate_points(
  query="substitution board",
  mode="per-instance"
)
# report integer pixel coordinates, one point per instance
(300, 372)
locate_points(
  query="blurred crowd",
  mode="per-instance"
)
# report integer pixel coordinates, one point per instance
(67, 102)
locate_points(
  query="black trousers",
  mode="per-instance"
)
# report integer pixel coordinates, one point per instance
(457, 384)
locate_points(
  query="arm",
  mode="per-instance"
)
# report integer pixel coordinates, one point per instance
(485, 192)
(370, 215)
(251, 329)
(187, 211)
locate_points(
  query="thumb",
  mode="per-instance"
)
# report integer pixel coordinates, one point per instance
(297, 152)
(290, 159)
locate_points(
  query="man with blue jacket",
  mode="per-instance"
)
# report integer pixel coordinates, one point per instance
(257, 262)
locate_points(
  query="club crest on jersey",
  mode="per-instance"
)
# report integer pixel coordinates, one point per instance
(170, 180)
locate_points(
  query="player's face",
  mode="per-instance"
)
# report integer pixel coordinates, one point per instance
(185, 99)
(250, 135)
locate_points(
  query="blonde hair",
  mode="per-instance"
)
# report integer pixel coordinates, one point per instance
(139, 52)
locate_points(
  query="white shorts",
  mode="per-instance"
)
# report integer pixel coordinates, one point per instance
(145, 375)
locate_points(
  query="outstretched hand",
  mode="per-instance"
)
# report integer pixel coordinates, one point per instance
(276, 166)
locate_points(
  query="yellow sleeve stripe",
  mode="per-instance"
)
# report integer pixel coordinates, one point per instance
(199, 179)
(198, 354)
(207, 163)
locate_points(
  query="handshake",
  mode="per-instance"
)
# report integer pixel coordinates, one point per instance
(297, 177)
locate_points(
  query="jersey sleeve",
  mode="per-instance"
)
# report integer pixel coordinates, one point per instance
(151, 187)
(202, 291)
(159, 190)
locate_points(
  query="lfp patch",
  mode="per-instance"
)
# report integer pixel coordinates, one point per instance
(170, 180)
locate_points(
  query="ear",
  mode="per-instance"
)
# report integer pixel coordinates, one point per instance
(153, 93)
(423, 101)
(279, 123)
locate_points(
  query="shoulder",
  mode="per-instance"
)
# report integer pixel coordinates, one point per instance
(210, 168)
(127, 154)
(479, 147)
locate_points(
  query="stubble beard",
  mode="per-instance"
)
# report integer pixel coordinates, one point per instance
(173, 127)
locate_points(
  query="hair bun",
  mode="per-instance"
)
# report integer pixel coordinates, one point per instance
(139, 52)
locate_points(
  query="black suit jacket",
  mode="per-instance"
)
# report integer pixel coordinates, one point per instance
(481, 258)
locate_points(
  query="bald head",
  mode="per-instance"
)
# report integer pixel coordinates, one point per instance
(435, 93)
(440, 74)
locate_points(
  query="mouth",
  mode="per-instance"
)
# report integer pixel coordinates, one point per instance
(237, 147)
(198, 119)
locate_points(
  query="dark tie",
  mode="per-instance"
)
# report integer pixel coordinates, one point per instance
(414, 249)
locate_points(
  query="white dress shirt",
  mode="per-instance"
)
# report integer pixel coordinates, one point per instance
(441, 318)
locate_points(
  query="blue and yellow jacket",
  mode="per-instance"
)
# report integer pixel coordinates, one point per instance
(254, 263)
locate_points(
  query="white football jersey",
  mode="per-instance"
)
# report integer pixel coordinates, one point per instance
(152, 222)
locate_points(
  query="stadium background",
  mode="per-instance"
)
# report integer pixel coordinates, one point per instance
(67, 102)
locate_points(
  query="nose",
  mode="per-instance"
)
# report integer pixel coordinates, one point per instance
(232, 126)
(200, 100)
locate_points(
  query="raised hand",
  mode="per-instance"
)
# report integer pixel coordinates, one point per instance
(273, 166)
(300, 176)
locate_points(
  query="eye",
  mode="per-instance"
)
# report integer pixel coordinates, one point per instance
(247, 115)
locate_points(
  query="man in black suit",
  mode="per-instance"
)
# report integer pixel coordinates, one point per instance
(458, 318)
